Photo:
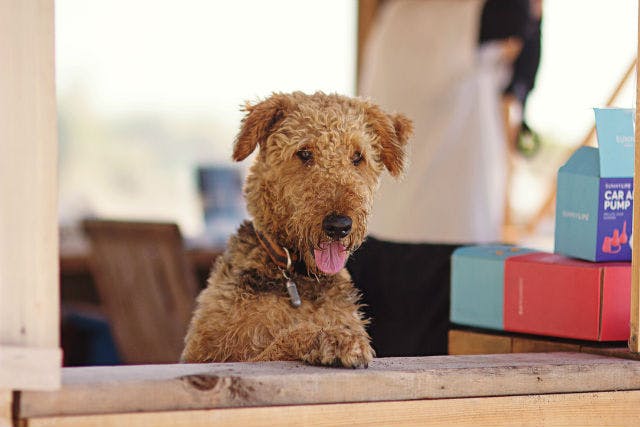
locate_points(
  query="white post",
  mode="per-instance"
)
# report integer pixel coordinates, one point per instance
(29, 296)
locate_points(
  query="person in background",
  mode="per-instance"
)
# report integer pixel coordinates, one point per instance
(516, 24)
(440, 63)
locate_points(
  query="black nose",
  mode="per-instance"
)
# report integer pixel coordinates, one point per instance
(336, 226)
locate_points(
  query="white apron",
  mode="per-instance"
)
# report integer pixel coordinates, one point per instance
(423, 61)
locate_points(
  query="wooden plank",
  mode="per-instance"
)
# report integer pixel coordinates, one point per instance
(98, 390)
(29, 302)
(5, 408)
(584, 409)
(367, 11)
(532, 345)
(474, 342)
(622, 352)
(634, 342)
(469, 342)
(30, 368)
(140, 270)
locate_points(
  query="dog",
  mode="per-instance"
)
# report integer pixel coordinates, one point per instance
(281, 290)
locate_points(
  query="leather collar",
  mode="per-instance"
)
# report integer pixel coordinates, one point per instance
(285, 259)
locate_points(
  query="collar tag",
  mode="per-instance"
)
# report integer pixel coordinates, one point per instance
(294, 297)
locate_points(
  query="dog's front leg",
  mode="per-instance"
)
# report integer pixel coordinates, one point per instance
(331, 346)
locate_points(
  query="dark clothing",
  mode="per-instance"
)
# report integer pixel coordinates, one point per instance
(406, 291)
(502, 19)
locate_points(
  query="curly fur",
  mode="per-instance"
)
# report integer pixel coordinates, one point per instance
(244, 314)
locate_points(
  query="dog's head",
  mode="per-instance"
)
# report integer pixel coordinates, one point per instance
(320, 159)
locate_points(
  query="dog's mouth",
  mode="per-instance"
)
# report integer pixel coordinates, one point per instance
(330, 257)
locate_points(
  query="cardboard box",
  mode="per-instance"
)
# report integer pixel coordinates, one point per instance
(477, 284)
(595, 193)
(548, 294)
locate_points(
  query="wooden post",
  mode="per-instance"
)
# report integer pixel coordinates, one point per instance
(5, 408)
(29, 303)
(367, 10)
(634, 343)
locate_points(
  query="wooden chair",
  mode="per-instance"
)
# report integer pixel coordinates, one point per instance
(146, 286)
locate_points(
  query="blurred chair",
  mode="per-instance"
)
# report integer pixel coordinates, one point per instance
(146, 286)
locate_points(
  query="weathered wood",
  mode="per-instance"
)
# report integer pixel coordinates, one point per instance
(146, 285)
(5, 408)
(463, 342)
(30, 368)
(621, 352)
(634, 340)
(96, 390)
(29, 302)
(367, 11)
(531, 345)
(583, 409)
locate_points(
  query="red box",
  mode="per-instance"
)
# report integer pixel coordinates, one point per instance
(548, 294)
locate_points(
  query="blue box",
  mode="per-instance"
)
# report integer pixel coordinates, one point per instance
(477, 284)
(594, 203)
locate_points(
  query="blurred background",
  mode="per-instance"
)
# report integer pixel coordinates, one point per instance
(149, 91)
(150, 96)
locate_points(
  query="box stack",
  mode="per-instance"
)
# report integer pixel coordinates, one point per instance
(582, 291)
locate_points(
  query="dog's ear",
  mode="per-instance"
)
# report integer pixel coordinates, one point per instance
(258, 123)
(394, 131)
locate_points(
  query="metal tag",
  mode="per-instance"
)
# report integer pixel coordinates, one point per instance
(293, 293)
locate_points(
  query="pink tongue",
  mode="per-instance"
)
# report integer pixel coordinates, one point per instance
(331, 257)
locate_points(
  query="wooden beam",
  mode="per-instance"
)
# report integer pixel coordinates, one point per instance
(30, 368)
(29, 302)
(5, 408)
(634, 342)
(101, 390)
(466, 342)
(532, 345)
(367, 11)
(584, 409)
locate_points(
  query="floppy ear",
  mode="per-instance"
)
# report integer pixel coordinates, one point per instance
(258, 123)
(393, 131)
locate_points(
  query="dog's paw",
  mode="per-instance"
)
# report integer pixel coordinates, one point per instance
(341, 348)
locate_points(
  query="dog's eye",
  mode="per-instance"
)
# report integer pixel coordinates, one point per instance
(357, 158)
(305, 155)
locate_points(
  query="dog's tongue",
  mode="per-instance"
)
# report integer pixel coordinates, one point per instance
(330, 257)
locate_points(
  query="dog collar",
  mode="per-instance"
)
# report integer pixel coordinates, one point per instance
(280, 255)
(285, 260)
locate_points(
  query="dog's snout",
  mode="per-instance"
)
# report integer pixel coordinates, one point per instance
(337, 226)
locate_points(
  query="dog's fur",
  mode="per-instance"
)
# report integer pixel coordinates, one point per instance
(245, 313)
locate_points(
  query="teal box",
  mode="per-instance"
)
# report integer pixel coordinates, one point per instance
(477, 284)
(594, 203)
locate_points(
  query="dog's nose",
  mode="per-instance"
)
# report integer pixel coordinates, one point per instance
(336, 226)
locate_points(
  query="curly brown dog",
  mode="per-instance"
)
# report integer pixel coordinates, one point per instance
(280, 291)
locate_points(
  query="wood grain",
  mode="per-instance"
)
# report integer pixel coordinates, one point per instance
(462, 342)
(146, 285)
(367, 11)
(5, 408)
(634, 341)
(30, 368)
(29, 301)
(465, 342)
(97, 390)
(531, 345)
(584, 409)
